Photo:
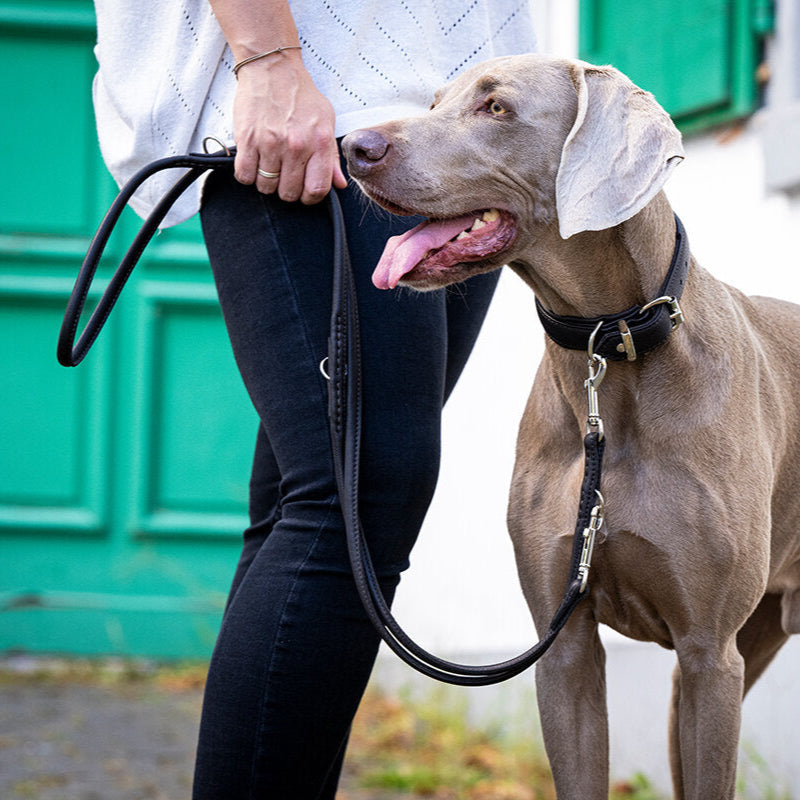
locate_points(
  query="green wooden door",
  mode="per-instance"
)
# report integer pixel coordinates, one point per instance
(122, 482)
(698, 58)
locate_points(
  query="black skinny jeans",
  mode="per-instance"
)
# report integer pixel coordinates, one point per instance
(295, 649)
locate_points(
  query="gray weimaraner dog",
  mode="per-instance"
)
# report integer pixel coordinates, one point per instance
(563, 164)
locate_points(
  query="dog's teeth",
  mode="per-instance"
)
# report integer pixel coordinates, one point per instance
(491, 215)
(462, 235)
(479, 223)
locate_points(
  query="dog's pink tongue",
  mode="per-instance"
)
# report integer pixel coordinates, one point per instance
(403, 253)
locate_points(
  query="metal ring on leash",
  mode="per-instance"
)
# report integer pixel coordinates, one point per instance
(323, 368)
(214, 139)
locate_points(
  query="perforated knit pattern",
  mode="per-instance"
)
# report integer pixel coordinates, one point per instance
(166, 74)
(376, 59)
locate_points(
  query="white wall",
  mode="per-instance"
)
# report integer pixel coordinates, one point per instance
(462, 595)
(556, 25)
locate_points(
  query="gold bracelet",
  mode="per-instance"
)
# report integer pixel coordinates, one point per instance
(244, 61)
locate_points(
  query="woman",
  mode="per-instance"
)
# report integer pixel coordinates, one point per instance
(282, 80)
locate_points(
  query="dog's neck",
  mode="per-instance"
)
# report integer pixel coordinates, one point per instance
(602, 272)
(596, 274)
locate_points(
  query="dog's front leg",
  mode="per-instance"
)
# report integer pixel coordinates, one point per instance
(571, 693)
(708, 685)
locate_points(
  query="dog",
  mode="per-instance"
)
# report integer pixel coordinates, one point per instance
(555, 167)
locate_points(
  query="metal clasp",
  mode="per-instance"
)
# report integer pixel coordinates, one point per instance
(589, 534)
(597, 371)
(675, 312)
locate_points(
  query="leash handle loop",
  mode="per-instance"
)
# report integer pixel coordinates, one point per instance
(70, 354)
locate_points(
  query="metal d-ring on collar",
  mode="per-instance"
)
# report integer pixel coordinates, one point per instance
(631, 333)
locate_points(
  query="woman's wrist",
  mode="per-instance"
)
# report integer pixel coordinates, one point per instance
(255, 26)
(277, 51)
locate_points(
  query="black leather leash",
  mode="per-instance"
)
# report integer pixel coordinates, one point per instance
(345, 414)
(344, 359)
(70, 354)
(612, 337)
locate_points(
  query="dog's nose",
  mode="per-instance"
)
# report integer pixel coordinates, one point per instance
(364, 150)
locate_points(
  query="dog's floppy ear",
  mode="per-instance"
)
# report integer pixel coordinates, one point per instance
(618, 154)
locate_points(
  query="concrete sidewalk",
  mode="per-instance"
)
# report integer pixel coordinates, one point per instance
(101, 733)
(67, 741)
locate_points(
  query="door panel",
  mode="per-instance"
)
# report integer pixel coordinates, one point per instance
(190, 415)
(123, 482)
(55, 443)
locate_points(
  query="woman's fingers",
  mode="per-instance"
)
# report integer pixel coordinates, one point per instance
(286, 147)
(268, 180)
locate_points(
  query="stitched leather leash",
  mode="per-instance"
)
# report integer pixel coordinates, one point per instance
(345, 421)
(70, 354)
(345, 414)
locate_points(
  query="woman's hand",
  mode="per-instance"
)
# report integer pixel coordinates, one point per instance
(282, 124)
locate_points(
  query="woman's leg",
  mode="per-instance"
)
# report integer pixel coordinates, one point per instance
(295, 649)
(264, 507)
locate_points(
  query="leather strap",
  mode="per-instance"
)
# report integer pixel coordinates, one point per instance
(344, 362)
(70, 354)
(345, 415)
(647, 329)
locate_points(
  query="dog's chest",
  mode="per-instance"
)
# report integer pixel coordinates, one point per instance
(627, 589)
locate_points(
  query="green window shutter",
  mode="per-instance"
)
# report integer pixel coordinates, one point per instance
(698, 58)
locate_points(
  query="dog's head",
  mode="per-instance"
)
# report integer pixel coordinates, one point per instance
(512, 145)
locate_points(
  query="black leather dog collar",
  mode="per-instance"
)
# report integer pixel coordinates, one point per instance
(635, 331)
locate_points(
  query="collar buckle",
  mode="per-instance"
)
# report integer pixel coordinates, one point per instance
(616, 339)
(675, 313)
(626, 345)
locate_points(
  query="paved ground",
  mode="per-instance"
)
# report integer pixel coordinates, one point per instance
(74, 742)
(68, 737)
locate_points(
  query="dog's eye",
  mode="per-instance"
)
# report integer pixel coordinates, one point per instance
(496, 109)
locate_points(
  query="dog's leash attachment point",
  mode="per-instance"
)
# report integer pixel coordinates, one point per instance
(597, 371)
(589, 536)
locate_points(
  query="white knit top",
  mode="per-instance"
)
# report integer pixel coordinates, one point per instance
(166, 74)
